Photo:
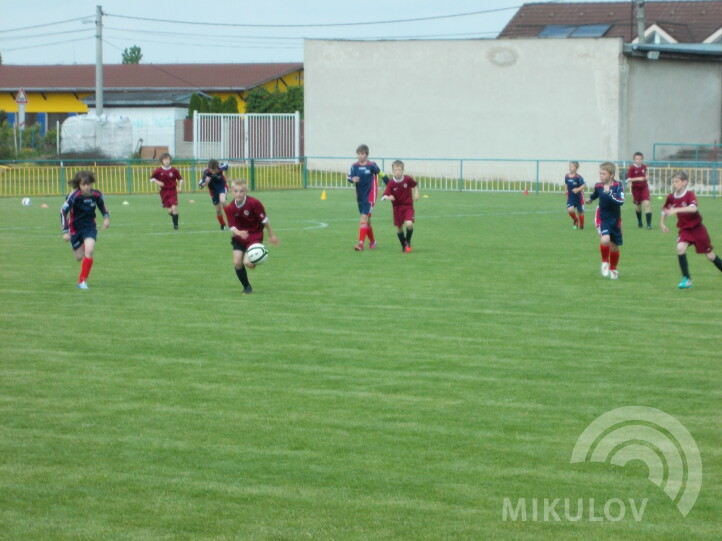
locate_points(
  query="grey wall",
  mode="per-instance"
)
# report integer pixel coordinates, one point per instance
(502, 99)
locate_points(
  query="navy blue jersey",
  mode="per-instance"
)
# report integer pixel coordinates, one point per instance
(78, 211)
(610, 204)
(217, 182)
(573, 183)
(367, 186)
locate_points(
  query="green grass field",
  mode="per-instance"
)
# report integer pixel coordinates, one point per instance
(353, 396)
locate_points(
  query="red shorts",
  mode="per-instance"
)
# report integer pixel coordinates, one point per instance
(403, 214)
(640, 193)
(697, 236)
(242, 244)
(168, 198)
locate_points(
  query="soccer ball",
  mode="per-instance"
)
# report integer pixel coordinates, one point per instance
(26, 201)
(257, 254)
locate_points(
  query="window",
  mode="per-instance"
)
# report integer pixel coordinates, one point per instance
(567, 31)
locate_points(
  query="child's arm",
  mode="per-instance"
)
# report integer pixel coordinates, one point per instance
(415, 191)
(662, 225)
(272, 238)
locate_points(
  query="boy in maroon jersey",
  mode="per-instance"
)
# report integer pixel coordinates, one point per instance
(246, 220)
(402, 191)
(170, 181)
(683, 203)
(637, 176)
(77, 217)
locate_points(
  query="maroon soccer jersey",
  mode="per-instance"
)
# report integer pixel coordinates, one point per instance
(635, 172)
(685, 220)
(250, 216)
(401, 190)
(167, 178)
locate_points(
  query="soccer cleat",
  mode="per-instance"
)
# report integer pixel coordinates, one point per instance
(407, 248)
(359, 247)
(223, 228)
(247, 290)
(175, 226)
(686, 283)
(84, 285)
(640, 225)
(605, 268)
(613, 274)
(649, 227)
(372, 246)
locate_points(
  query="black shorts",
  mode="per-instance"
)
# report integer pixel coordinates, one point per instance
(78, 238)
(216, 194)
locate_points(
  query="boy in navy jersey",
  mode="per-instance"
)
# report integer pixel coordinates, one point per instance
(363, 176)
(608, 217)
(217, 187)
(575, 195)
(246, 220)
(402, 191)
(170, 182)
(637, 176)
(77, 217)
(683, 203)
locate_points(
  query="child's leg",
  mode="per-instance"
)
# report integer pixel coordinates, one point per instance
(715, 259)
(648, 212)
(241, 269)
(370, 233)
(604, 248)
(581, 218)
(409, 231)
(613, 256)
(87, 264)
(363, 230)
(572, 214)
(219, 215)
(402, 238)
(682, 258)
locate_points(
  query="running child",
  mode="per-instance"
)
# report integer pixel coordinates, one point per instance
(683, 203)
(363, 175)
(246, 220)
(637, 175)
(575, 195)
(402, 191)
(169, 180)
(217, 187)
(77, 217)
(608, 217)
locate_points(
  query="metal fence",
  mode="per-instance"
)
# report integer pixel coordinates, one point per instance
(534, 176)
(246, 136)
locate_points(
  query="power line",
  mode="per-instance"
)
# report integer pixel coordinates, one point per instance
(318, 25)
(46, 44)
(46, 35)
(44, 25)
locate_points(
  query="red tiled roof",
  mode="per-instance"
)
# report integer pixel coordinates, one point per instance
(687, 22)
(216, 77)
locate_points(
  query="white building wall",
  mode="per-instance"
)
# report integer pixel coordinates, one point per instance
(501, 99)
(671, 101)
(155, 125)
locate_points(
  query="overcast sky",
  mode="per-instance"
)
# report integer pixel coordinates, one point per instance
(62, 31)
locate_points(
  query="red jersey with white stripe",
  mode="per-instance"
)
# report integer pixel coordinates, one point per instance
(402, 190)
(685, 220)
(637, 171)
(167, 178)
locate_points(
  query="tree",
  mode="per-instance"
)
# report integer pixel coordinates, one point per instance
(261, 100)
(132, 55)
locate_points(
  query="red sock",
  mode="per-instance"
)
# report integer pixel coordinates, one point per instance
(362, 232)
(581, 220)
(371, 233)
(221, 220)
(573, 216)
(613, 260)
(85, 269)
(605, 253)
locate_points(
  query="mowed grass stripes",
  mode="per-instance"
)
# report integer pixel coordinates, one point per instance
(372, 395)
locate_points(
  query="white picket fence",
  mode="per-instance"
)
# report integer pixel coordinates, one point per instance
(246, 136)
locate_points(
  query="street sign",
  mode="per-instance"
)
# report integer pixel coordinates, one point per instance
(21, 97)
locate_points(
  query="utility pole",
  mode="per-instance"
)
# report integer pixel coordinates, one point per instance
(98, 60)
(640, 21)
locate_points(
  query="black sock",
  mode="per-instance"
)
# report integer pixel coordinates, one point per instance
(243, 276)
(175, 219)
(649, 219)
(639, 217)
(683, 265)
(717, 262)
(400, 234)
(409, 232)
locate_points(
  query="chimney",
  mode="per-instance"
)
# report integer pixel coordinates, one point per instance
(640, 21)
